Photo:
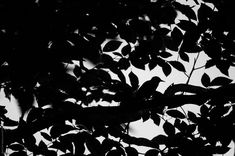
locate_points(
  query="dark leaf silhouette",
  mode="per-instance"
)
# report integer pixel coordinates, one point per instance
(177, 65)
(166, 68)
(93, 145)
(46, 136)
(209, 63)
(9, 122)
(169, 129)
(34, 114)
(29, 142)
(175, 113)
(186, 25)
(59, 129)
(222, 149)
(165, 54)
(204, 110)
(152, 64)
(112, 46)
(145, 115)
(123, 63)
(196, 1)
(126, 50)
(2, 110)
(138, 141)
(16, 147)
(160, 139)
(134, 80)
(192, 117)
(152, 152)
(220, 81)
(186, 10)
(20, 153)
(108, 144)
(204, 13)
(114, 153)
(184, 56)
(130, 151)
(42, 146)
(156, 119)
(206, 81)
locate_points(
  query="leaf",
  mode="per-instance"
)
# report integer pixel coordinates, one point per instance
(60, 146)
(196, 1)
(169, 129)
(187, 25)
(93, 145)
(184, 56)
(152, 152)
(160, 139)
(130, 151)
(34, 114)
(112, 46)
(177, 65)
(117, 54)
(186, 10)
(152, 64)
(220, 81)
(120, 75)
(164, 31)
(165, 54)
(177, 36)
(114, 153)
(192, 117)
(156, 118)
(166, 68)
(209, 63)
(126, 50)
(222, 149)
(175, 113)
(145, 115)
(77, 71)
(46, 136)
(42, 145)
(59, 129)
(223, 67)
(205, 80)
(16, 147)
(2, 110)
(137, 62)
(20, 153)
(204, 12)
(137, 141)
(204, 110)
(123, 63)
(9, 122)
(133, 80)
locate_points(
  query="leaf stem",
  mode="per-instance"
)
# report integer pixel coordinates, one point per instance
(199, 67)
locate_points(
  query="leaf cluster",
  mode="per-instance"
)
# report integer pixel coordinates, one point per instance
(44, 47)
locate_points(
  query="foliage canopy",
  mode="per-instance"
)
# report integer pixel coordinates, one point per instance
(44, 44)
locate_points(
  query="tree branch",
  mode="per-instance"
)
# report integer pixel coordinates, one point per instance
(121, 114)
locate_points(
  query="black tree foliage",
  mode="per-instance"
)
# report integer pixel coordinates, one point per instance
(44, 47)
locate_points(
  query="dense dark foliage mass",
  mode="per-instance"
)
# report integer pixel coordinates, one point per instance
(43, 48)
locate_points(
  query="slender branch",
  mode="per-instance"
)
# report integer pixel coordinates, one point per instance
(193, 68)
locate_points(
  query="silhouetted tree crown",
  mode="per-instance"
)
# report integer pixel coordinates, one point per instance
(80, 110)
